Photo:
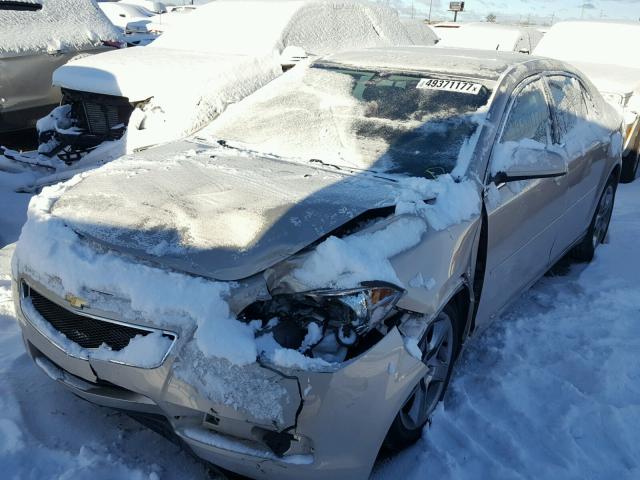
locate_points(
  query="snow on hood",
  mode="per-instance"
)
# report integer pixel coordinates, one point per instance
(141, 73)
(221, 217)
(187, 90)
(54, 27)
(224, 217)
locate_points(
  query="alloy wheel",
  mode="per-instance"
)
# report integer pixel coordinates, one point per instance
(603, 215)
(437, 346)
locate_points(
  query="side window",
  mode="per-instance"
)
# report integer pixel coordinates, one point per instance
(529, 116)
(568, 103)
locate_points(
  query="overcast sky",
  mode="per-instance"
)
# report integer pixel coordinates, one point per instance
(520, 10)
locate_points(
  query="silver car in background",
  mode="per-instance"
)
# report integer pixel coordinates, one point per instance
(311, 267)
(29, 53)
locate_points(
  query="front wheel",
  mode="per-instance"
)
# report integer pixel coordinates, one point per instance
(439, 346)
(599, 225)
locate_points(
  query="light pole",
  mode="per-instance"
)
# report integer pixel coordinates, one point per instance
(430, 6)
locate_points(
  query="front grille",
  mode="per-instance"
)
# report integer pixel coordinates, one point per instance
(101, 118)
(85, 331)
(99, 114)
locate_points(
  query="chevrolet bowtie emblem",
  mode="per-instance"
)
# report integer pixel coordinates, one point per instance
(75, 301)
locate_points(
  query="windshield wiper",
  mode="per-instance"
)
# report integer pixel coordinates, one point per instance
(324, 164)
(20, 5)
(224, 144)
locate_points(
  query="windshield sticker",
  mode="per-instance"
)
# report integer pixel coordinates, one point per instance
(449, 85)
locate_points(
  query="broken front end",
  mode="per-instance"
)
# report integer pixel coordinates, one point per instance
(82, 122)
(317, 404)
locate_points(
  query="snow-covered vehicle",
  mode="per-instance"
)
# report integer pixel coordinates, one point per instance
(289, 291)
(488, 36)
(151, 5)
(141, 26)
(206, 61)
(142, 32)
(36, 37)
(121, 13)
(607, 53)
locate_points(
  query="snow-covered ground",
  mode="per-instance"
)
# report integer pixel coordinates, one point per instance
(551, 390)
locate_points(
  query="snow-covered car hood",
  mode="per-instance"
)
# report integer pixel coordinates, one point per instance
(141, 73)
(611, 78)
(185, 207)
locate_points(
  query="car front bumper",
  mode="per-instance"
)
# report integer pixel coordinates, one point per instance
(336, 420)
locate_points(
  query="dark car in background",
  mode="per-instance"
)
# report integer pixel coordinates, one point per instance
(30, 51)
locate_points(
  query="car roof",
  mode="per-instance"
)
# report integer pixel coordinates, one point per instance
(317, 26)
(485, 64)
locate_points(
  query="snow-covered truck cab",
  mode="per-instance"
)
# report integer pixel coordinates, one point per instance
(209, 59)
(605, 51)
(37, 37)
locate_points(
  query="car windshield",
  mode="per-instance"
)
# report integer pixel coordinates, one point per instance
(413, 124)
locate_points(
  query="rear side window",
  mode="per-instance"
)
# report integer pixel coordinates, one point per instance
(569, 104)
(529, 116)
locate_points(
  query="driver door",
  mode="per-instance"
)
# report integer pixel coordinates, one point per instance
(522, 216)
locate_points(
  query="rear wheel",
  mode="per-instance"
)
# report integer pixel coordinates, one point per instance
(439, 346)
(630, 165)
(599, 226)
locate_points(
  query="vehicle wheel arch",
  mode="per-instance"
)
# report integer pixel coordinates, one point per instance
(478, 269)
(615, 171)
(462, 300)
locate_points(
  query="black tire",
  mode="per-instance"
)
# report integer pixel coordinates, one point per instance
(630, 165)
(401, 434)
(599, 226)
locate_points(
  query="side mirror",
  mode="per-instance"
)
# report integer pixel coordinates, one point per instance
(527, 163)
(524, 50)
(291, 56)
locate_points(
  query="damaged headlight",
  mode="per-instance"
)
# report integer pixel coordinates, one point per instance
(325, 323)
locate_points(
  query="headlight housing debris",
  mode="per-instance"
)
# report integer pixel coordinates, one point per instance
(325, 323)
